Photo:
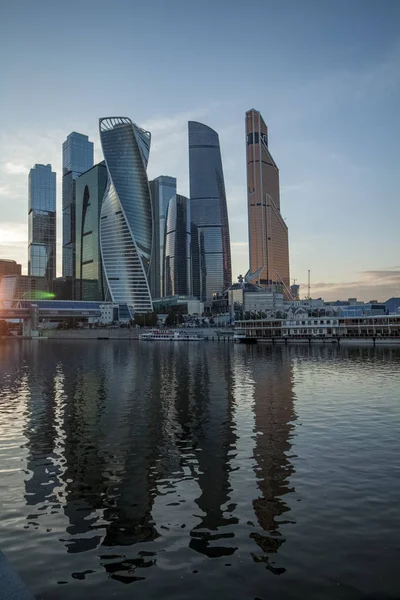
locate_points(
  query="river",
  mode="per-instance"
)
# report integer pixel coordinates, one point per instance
(203, 470)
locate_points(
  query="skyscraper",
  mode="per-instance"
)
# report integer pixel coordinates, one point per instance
(90, 188)
(268, 233)
(177, 267)
(77, 158)
(42, 222)
(162, 189)
(126, 220)
(211, 253)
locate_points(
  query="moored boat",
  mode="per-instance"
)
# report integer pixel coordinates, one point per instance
(168, 335)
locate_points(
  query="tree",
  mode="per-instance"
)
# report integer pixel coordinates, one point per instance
(146, 319)
(4, 328)
(170, 319)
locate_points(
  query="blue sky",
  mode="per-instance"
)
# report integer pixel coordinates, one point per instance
(324, 74)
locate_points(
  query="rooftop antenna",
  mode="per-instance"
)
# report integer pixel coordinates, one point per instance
(309, 285)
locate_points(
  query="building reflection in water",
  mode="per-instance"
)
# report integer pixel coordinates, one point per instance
(115, 430)
(274, 423)
(214, 436)
(40, 429)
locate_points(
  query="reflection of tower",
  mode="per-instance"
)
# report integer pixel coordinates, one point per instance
(133, 431)
(85, 482)
(41, 428)
(213, 438)
(274, 414)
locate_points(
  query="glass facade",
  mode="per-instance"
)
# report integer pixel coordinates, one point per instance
(126, 221)
(177, 263)
(42, 222)
(211, 262)
(77, 158)
(90, 188)
(268, 233)
(162, 189)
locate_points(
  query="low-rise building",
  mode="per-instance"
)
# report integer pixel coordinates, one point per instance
(9, 267)
(248, 297)
(371, 326)
(187, 305)
(17, 287)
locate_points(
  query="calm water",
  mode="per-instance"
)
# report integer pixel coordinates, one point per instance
(168, 471)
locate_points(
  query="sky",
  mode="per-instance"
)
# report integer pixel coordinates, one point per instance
(325, 75)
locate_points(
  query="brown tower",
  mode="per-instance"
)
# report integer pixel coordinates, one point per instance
(268, 233)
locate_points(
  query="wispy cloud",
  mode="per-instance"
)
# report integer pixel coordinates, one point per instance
(378, 285)
(15, 169)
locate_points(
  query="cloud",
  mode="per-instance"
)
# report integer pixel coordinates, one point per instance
(378, 285)
(4, 190)
(15, 169)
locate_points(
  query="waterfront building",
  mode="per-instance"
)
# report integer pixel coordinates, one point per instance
(177, 261)
(9, 267)
(186, 305)
(126, 220)
(247, 297)
(268, 233)
(302, 327)
(16, 287)
(393, 306)
(295, 291)
(77, 153)
(211, 253)
(42, 222)
(162, 189)
(90, 189)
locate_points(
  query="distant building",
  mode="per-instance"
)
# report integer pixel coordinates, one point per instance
(77, 158)
(177, 262)
(268, 233)
(211, 252)
(162, 189)
(42, 222)
(295, 290)
(9, 267)
(90, 188)
(393, 306)
(248, 297)
(18, 287)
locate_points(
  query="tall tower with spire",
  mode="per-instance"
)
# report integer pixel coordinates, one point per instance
(268, 233)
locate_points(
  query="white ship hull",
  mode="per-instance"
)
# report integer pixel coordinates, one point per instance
(161, 335)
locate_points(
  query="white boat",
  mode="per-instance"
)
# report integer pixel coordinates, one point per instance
(169, 335)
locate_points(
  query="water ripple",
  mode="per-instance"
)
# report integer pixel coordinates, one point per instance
(195, 470)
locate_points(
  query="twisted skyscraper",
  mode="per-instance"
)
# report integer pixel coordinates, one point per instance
(126, 222)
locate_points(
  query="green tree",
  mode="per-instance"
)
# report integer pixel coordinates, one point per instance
(170, 319)
(4, 328)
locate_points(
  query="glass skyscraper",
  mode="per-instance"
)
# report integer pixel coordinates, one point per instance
(126, 222)
(177, 260)
(77, 158)
(268, 233)
(42, 222)
(162, 189)
(211, 253)
(90, 188)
